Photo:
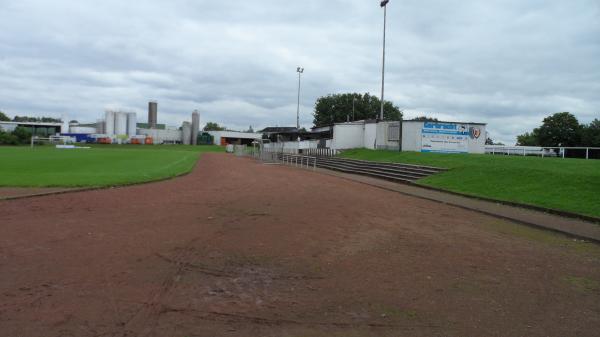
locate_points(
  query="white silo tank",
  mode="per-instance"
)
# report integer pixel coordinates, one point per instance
(186, 133)
(109, 127)
(131, 124)
(195, 126)
(120, 123)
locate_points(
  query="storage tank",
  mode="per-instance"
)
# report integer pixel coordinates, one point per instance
(100, 126)
(186, 133)
(109, 127)
(195, 127)
(152, 114)
(120, 123)
(131, 124)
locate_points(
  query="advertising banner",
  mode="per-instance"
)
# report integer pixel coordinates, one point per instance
(445, 138)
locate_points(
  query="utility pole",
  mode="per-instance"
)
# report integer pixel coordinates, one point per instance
(299, 70)
(384, 5)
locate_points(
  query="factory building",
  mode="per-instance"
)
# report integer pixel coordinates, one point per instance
(36, 128)
(123, 127)
(234, 137)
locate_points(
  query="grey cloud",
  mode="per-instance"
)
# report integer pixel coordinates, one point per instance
(505, 62)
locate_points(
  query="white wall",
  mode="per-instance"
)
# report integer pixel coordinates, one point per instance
(82, 129)
(411, 136)
(348, 136)
(370, 136)
(383, 136)
(162, 136)
(478, 145)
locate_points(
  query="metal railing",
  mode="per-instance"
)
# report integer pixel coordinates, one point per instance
(543, 151)
(321, 152)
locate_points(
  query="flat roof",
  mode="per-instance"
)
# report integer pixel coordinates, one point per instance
(32, 123)
(430, 121)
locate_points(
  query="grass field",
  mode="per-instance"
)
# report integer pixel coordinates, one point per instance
(565, 184)
(104, 165)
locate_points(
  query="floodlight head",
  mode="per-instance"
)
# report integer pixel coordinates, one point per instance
(384, 2)
(300, 70)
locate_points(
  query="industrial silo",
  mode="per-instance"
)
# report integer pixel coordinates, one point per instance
(131, 124)
(120, 123)
(100, 126)
(109, 127)
(195, 127)
(152, 114)
(186, 133)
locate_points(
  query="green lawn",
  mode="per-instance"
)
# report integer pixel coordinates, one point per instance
(565, 184)
(102, 165)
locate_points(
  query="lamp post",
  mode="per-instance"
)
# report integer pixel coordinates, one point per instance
(299, 70)
(353, 101)
(384, 5)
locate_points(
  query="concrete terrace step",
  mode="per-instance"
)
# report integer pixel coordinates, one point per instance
(423, 168)
(398, 172)
(382, 171)
(415, 170)
(372, 173)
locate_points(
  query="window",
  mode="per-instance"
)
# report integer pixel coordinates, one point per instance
(394, 132)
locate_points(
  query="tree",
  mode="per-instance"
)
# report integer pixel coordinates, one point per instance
(3, 117)
(337, 108)
(560, 129)
(426, 119)
(73, 122)
(8, 138)
(36, 119)
(490, 141)
(529, 138)
(210, 126)
(22, 134)
(590, 135)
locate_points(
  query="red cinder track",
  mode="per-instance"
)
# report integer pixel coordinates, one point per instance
(237, 248)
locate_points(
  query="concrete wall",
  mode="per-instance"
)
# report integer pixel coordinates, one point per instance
(82, 129)
(478, 145)
(162, 136)
(383, 136)
(370, 136)
(348, 136)
(411, 136)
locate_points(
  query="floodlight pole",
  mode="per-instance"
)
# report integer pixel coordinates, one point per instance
(384, 5)
(300, 70)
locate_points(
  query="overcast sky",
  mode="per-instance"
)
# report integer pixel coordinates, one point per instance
(507, 63)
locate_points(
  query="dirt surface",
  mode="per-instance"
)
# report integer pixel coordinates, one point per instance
(237, 248)
(18, 192)
(573, 226)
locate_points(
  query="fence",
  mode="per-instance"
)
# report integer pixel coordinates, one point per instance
(320, 152)
(280, 156)
(542, 151)
(51, 140)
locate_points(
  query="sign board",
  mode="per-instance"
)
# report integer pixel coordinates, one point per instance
(445, 137)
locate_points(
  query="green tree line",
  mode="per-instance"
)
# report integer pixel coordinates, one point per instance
(562, 129)
(338, 108)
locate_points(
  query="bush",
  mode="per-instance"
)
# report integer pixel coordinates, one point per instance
(22, 134)
(8, 138)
